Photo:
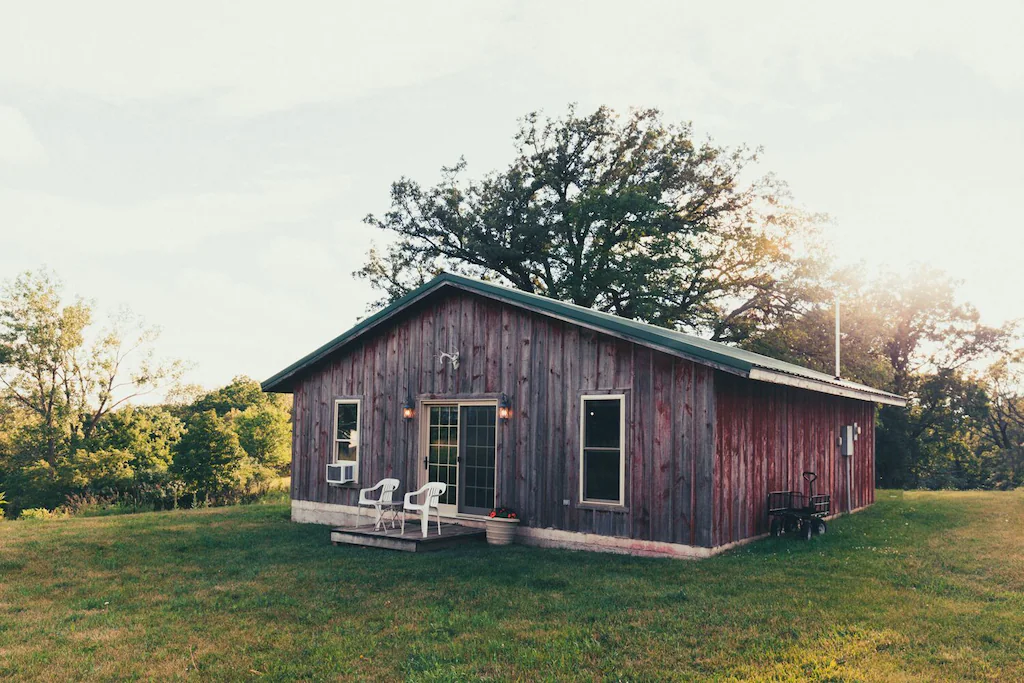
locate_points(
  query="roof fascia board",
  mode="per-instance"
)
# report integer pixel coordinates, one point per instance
(762, 375)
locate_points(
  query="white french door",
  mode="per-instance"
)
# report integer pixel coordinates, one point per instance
(460, 450)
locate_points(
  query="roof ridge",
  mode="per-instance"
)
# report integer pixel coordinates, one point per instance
(709, 344)
(718, 354)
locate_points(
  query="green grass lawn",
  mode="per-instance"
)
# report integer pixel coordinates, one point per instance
(922, 586)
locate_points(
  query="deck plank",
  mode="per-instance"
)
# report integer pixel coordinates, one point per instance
(411, 541)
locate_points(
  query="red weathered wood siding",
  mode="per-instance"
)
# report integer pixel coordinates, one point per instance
(768, 435)
(544, 365)
(703, 447)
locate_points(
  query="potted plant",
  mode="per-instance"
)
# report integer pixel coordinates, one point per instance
(501, 526)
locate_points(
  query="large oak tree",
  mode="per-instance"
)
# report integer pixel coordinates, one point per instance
(628, 215)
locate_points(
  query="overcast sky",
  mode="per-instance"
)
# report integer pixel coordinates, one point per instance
(208, 164)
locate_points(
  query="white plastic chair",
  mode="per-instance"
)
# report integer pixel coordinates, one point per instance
(388, 488)
(433, 491)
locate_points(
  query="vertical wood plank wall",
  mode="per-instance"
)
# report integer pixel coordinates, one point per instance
(767, 435)
(703, 447)
(544, 365)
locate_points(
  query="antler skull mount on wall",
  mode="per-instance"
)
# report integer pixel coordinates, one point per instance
(453, 357)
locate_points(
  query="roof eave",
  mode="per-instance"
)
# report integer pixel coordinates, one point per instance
(846, 391)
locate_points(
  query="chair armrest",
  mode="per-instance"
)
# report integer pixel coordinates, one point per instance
(412, 494)
(372, 488)
(363, 492)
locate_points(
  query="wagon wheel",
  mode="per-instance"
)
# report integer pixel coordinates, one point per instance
(775, 529)
(819, 527)
(807, 530)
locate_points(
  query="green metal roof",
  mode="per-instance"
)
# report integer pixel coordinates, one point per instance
(728, 358)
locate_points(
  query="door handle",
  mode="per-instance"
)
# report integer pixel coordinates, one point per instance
(425, 462)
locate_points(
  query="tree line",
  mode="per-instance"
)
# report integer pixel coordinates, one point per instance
(626, 214)
(635, 216)
(75, 434)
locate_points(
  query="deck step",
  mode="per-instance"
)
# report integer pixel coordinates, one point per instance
(411, 541)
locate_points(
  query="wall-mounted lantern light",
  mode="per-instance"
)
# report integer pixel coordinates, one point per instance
(408, 409)
(504, 408)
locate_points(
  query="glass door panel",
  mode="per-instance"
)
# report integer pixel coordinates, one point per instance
(442, 459)
(477, 465)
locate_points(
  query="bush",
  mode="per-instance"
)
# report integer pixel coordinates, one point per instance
(41, 514)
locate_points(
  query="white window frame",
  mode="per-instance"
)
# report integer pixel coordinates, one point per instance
(359, 428)
(621, 502)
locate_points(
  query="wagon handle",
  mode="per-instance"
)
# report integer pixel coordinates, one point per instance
(811, 477)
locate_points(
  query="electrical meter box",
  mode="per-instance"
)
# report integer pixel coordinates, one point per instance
(847, 434)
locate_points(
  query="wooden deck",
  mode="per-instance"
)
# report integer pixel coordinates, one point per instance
(411, 541)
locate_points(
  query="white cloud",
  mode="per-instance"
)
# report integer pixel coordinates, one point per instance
(18, 142)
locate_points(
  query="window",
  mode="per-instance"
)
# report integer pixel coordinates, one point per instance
(603, 453)
(346, 432)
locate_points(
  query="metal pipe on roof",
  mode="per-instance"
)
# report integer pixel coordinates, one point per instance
(838, 374)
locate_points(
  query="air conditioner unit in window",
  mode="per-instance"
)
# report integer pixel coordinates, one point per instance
(341, 472)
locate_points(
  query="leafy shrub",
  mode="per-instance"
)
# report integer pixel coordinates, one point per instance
(41, 514)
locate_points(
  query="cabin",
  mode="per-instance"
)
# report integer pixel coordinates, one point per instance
(603, 433)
